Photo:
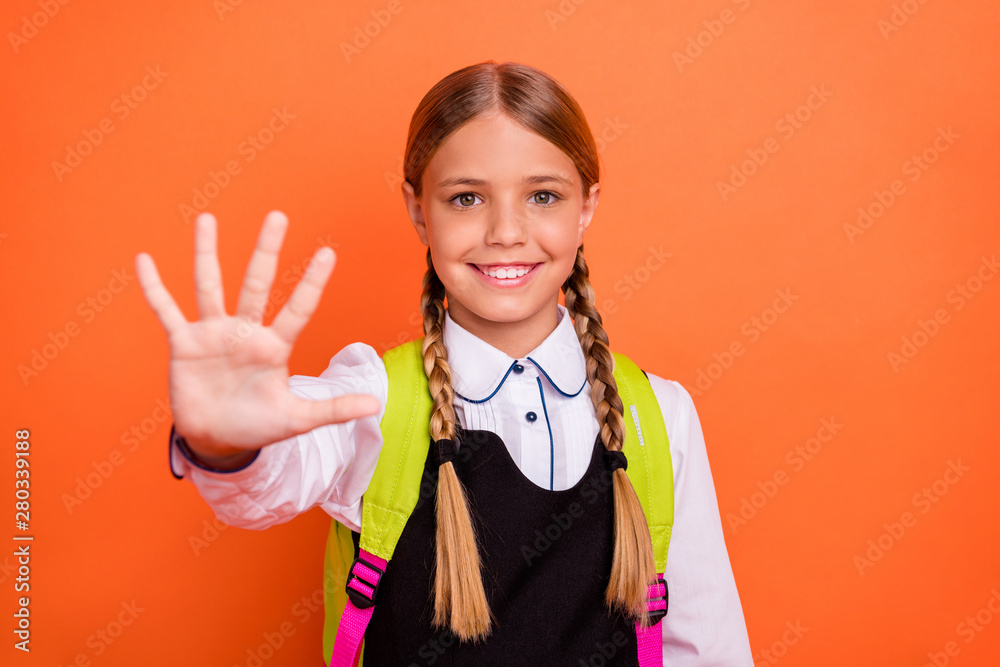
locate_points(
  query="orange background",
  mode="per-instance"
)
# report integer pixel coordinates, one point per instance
(672, 130)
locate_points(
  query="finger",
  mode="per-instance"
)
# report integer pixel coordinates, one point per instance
(207, 274)
(159, 298)
(296, 313)
(262, 267)
(307, 415)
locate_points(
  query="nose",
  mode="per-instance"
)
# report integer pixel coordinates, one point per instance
(506, 226)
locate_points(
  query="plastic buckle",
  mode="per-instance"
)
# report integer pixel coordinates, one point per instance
(657, 614)
(359, 599)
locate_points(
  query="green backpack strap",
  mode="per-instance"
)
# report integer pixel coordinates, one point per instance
(648, 452)
(395, 485)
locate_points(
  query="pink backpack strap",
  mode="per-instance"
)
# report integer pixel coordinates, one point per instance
(650, 640)
(362, 586)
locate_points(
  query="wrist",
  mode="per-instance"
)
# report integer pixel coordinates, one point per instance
(228, 462)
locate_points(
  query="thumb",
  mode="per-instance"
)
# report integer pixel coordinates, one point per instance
(307, 415)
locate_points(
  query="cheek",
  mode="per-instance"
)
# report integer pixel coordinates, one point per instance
(562, 239)
(449, 250)
(563, 258)
(450, 240)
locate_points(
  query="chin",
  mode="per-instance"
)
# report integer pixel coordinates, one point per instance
(515, 313)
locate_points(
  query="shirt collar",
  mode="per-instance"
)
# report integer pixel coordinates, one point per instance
(478, 369)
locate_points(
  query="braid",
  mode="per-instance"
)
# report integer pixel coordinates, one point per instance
(459, 597)
(633, 567)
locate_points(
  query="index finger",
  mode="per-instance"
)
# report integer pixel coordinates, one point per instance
(262, 267)
(294, 316)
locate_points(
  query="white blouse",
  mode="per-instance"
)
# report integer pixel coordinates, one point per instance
(540, 406)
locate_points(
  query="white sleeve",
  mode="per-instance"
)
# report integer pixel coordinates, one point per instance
(330, 466)
(704, 625)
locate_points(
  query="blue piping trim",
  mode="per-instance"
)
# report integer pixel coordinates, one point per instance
(170, 454)
(539, 367)
(500, 384)
(552, 450)
(178, 441)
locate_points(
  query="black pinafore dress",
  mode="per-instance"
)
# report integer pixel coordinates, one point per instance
(546, 559)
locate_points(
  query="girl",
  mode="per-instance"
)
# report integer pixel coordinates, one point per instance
(501, 183)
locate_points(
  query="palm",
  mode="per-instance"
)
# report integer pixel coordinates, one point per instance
(222, 381)
(228, 374)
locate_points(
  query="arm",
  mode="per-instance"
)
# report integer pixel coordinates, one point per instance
(704, 625)
(289, 443)
(330, 466)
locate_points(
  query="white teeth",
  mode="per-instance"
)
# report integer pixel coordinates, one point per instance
(505, 274)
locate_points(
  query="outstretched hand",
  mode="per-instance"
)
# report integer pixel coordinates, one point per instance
(229, 373)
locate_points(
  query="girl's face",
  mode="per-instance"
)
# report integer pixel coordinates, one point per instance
(502, 211)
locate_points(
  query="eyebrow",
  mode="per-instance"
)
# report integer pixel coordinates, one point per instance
(527, 180)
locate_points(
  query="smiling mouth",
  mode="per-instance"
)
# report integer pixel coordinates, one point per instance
(505, 271)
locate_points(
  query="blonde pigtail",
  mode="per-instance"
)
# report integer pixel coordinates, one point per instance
(459, 597)
(633, 567)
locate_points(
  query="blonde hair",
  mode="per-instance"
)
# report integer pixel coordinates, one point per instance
(542, 105)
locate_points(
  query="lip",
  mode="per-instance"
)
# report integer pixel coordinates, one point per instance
(506, 282)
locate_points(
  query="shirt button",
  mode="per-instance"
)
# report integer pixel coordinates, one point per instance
(518, 368)
(531, 416)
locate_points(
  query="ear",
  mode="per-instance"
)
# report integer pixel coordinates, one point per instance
(587, 212)
(416, 211)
